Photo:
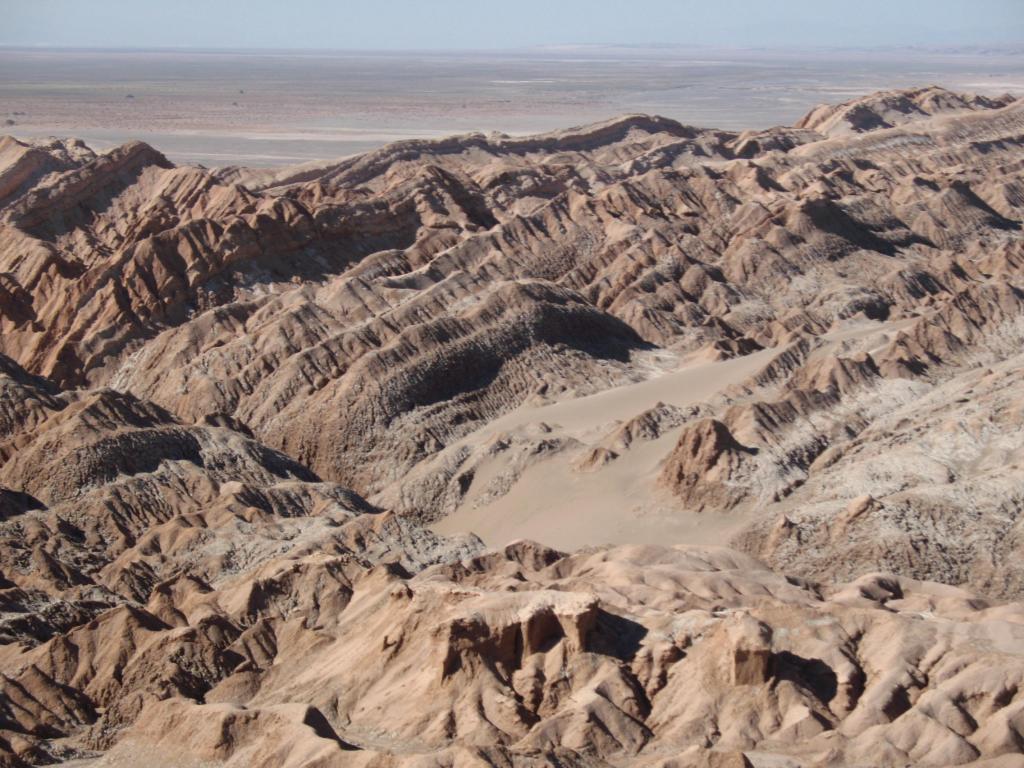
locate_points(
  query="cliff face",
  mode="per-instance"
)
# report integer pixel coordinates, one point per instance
(229, 401)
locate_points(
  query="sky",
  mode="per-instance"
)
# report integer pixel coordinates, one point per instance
(507, 24)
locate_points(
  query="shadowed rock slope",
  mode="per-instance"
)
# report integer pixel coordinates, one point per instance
(233, 402)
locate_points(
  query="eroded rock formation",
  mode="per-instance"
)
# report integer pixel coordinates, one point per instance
(230, 401)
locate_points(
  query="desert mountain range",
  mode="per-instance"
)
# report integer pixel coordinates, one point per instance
(635, 444)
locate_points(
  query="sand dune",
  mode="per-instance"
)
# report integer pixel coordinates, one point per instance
(553, 503)
(557, 501)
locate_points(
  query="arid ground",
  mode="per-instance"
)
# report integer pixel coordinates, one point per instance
(636, 444)
(264, 109)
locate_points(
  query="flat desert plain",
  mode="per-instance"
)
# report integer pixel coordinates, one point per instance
(268, 109)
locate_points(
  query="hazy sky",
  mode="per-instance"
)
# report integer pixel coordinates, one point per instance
(490, 24)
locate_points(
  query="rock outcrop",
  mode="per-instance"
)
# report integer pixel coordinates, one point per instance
(888, 109)
(703, 468)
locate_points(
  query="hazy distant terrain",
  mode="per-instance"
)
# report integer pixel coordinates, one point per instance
(220, 108)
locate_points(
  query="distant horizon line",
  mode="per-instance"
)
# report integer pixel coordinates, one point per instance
(654, 49)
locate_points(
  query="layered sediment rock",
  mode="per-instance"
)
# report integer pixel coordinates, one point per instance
(229, 400)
